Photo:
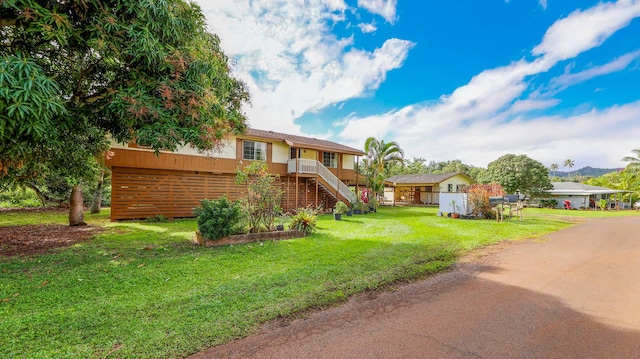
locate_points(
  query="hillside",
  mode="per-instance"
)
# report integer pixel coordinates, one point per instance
(586, 172)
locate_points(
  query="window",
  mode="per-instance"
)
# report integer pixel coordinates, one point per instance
(252, 150)
(450, 187)
(330, 159)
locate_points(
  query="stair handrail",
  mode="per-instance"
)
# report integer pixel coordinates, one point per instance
(335, 182)
(316, 167)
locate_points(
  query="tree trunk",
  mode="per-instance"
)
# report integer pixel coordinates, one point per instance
(76, 207)
(97, 197)
(40, 195)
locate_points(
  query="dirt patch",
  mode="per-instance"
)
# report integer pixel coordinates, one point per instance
(35, 239)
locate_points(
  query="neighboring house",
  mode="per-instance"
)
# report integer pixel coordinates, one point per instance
(423, 188)
(312, 172)
(582, 195)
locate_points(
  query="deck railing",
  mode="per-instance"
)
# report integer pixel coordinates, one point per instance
(315, 167)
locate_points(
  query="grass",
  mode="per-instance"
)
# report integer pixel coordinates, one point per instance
(142, 290)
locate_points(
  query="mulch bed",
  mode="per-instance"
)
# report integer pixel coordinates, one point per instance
(35, 239)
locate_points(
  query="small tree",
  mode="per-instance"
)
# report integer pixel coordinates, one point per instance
(263, 196)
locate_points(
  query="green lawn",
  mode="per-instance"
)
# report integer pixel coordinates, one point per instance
(142, 290)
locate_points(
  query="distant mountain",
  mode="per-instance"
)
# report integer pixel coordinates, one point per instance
(586, 172)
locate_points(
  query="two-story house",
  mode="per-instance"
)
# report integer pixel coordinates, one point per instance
(311, 172)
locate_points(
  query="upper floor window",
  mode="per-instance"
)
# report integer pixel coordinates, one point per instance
(450, 187)
(253, 150)
(330, 159)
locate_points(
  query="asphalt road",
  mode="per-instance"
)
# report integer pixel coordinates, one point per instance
(573, 294)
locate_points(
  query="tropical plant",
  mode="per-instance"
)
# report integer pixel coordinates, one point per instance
(220, 218)
(602, 204)
(569, 163)
(380, 156)
(76, 74)
(634, 162)
(263, 196)
(304, 220)
(553, 168)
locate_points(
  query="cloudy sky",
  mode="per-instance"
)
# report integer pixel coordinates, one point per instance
(465, 79)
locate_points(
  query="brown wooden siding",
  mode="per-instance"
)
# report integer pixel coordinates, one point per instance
(138, 193)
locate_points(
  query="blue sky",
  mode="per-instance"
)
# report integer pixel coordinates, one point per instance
(454, 79)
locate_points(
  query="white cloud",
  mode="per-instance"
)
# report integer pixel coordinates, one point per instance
(584, 30)
(367, 28)
(384, 8)
(568, 79)
(292, 62)
(543, 3)
(487, 117)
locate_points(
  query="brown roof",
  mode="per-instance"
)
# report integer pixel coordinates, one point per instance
(304, 142)
(422, 178)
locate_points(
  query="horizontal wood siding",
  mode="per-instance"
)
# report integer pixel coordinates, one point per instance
(138, 193)
(142, 193)
(170, 161)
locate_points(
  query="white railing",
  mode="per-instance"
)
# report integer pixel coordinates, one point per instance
(315, 167)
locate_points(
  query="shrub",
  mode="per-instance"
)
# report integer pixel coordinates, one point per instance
(548, 203)
(220, 218)
(479, 194)
(340, 208)
(304, 220)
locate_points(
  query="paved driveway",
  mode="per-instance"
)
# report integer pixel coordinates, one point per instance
(573, 294)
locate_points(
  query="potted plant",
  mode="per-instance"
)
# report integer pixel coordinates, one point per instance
(339, 209)
(374, 204)
(357, 207)
(454, 209)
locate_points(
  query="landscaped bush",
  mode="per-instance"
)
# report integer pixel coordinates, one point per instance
(548, 203)
(304, 220)
(220, 218)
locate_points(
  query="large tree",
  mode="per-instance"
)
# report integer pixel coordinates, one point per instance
(518, 174)
(76, 74)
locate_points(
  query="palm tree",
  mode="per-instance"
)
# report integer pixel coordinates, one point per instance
(380, 157)
(569, 163)
(634, 162)
(554, 167)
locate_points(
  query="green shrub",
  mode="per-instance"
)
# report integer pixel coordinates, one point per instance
(220, 218)
(340, 208)
(304, 220)
(19, 198)
(548, 203)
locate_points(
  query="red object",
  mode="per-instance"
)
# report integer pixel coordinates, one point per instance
(567, 204)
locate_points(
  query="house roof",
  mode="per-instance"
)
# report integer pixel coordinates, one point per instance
(305, 142)
(422, 178)
(573, 188)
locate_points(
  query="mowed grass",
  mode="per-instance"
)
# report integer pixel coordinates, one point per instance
(143, 290)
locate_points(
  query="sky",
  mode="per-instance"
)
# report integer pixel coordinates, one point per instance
(449, 79)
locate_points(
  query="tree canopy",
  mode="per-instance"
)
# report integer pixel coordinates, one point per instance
(75, 74)
(518, 173)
